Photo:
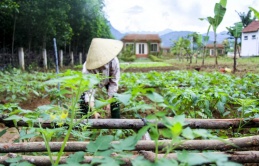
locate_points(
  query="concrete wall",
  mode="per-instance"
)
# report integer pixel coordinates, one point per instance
(138, 51)
(250, 46)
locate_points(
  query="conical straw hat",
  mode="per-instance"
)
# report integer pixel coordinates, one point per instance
(102, 51)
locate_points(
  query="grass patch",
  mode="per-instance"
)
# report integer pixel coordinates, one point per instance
(244, 65)
(143, 65)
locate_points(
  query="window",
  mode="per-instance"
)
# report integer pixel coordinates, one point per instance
(253, 36)
(220, 52)
(245, 37)
(141, 49)
(153, 48)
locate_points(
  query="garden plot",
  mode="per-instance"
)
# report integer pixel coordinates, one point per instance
(150, 96)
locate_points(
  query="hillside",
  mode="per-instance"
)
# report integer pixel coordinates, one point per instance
(167, 39)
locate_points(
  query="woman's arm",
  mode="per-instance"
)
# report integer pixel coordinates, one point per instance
(114, 77)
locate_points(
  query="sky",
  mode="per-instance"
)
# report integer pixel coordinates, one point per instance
(177, 15)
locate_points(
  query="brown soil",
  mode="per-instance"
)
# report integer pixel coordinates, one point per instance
(33, 103)
(12, 134)
(206, 68)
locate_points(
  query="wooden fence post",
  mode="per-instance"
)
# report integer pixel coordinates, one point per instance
(80, 58)
(72, 58)
(21, 58)
(61, 58)
(45, 61)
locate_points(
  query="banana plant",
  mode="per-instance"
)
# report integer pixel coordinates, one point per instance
(236, 32)
(219, 12)
(256, 13)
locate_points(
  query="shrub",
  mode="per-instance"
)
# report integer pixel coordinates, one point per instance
(127, 55)
(154, 58)
(129, 59)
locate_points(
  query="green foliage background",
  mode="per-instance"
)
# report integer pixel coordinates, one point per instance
(33, 24)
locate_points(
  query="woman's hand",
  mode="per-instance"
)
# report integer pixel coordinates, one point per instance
(91, 104)
(96, 115)
(107, 108)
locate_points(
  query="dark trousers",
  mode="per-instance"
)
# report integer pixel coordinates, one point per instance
(84, 107)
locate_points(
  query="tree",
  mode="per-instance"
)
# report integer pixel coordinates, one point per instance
(205, 40)
(196, 43)
(219, 12)
(181, 47)
(246, 19)
(72, 22)
(226, 45)
(87, 22)
(236, 32)
(39, 21)
(8, 12)
(75, 21)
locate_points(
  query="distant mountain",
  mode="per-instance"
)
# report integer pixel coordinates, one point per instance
(168, 36)
(220, 36)
(116, 34)
(167, 39)
(165, 32)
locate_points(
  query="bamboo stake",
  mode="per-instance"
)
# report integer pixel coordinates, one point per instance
(138, 123)
(39, 160)
(222, 145)
(237, 156)
(240, 157)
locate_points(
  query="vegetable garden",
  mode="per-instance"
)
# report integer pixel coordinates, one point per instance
(193, 118)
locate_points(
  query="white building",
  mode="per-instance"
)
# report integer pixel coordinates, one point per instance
(142, 44)
(250, 40)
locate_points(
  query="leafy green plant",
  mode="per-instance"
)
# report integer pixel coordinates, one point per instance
(152, 95)
(248, 109)
(19, 86)
(18, 161)
(202, 94)
(77, 83)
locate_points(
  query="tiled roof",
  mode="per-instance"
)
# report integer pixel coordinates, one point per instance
(141, 37)
(212, 46)
(252, 27)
